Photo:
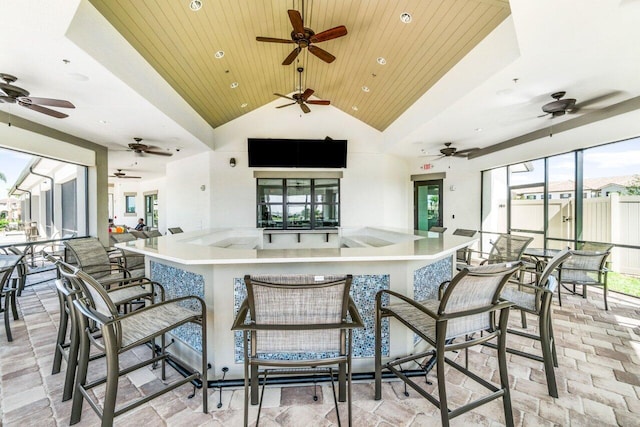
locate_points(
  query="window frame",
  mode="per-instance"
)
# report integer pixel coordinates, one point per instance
(310, 201)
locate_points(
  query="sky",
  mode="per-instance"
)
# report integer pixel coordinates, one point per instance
(11, 164)
(617, 159)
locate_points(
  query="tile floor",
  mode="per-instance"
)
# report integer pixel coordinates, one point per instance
(598, 380)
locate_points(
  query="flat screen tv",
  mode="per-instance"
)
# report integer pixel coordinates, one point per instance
(297, 153)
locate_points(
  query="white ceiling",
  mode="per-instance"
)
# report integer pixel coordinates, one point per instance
(588, 49)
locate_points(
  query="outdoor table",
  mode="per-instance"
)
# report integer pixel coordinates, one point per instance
(541, 256)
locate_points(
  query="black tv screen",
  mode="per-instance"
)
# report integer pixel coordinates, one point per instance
(297, 153)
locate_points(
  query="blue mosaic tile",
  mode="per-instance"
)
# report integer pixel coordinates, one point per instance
(179, 283)
(427, 280)
(363, 291)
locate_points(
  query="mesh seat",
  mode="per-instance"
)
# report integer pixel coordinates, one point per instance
(132, 261)
(140, 290)
(152, 233)
(506, 248)
(536, 299)
(463, 256)
(94, 259)
(586, 267)
(295, 321)
(467, 309)
(436, 229)
(122, 332)
(175, 230)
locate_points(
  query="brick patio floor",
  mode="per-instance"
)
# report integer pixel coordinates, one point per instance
(598, 379)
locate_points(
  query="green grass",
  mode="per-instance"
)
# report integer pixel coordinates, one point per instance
(629, 285)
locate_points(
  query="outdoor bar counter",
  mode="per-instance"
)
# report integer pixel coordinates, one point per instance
(212, 263)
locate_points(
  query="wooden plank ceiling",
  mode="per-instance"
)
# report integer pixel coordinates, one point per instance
(181, 45)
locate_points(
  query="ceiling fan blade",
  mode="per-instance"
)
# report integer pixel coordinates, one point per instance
(127, 176)
(305, 108)
(46, 101)
(465, 152)
(332, 33)
(306, 94)
(289, 59)
(580, 105)
(159, 153)
(286, 105)
(283, 96)
(318, 102)
(44, 110)
(273, 40)
(322, 54)
(7, 99)
(296, 21)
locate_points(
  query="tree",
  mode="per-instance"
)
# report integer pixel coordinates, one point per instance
(2, 177)
(633, 189)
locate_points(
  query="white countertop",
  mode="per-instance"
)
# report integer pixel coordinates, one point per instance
(199, 247)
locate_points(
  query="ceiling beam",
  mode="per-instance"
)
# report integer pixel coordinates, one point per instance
(630, 104)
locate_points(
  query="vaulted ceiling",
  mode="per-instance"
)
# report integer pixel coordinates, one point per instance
(474, 72)
(181, 45)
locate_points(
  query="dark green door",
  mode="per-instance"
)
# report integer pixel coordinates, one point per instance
(427, 204)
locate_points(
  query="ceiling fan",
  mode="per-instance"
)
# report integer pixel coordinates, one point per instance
(142, 149)
(305, 37)
(449, 151)
(120, 174)
(302, 98)
(11, 94)
(560, 106)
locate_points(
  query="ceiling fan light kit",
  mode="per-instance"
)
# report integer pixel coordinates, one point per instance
(302, 98)
(142, 149)
(304, 37)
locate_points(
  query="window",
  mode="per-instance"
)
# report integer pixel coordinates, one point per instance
(531, 197)
(298, 203)
(130, 204)
(565, 195)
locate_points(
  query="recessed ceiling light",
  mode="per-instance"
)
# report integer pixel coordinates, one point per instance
(219, 54)
(195, 5)
(365, 88)
(478, 129)
(104, 122)
(381, 60)
(234, 85)
(405, 17)
(243, 105)
(354, 108)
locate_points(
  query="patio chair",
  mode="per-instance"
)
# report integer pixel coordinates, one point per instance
(536, 299)
(436, 229)
(123, 332)
(467, 310)
(138, 234)
(463, 256)
(586, 267)
(94, 259)
(506, 248)
(132, 261)
(296, 321)
(175, 230)
(8, 289)
(21, 270)
(152, 233)
(68, 349)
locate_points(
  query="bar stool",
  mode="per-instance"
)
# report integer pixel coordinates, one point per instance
(67, 349)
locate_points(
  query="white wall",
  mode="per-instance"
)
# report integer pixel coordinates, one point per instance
(375, 190)
(122, 186)
(186, 205)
